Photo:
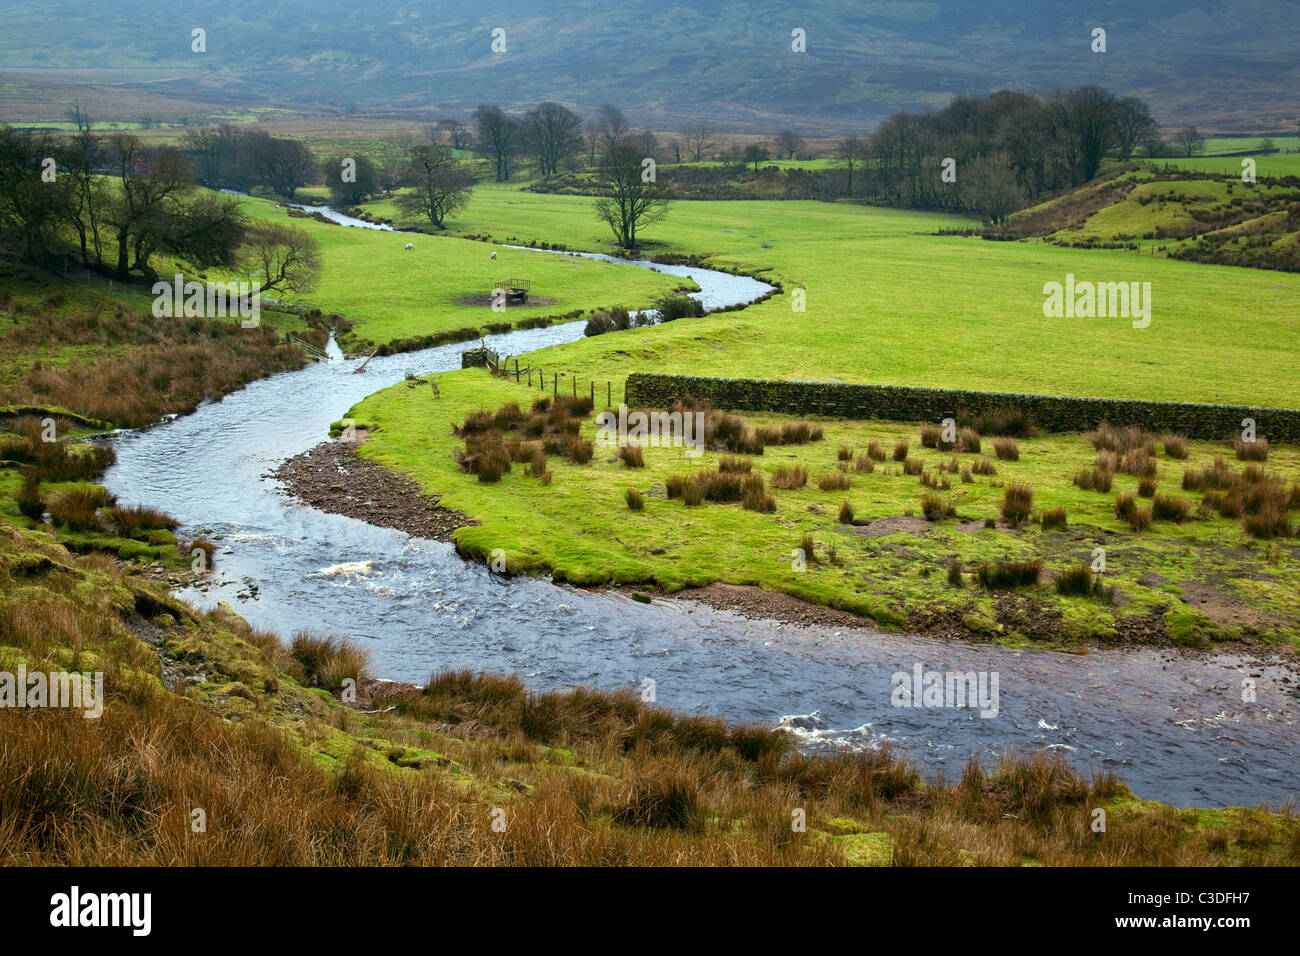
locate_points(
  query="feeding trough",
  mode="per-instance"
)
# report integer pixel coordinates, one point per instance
(516, 290)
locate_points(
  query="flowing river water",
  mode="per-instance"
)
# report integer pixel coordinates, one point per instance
(1172, 725)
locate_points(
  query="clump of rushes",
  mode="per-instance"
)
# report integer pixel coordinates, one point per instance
(1007, 449)
(984, 466)
(78, 508)
(966, 476)
(635, 500)
(954, 572)
(1175, 446)
(808, 545)
(632, 456)
(1256, 450)
(692, 494)
(756, 499)
(1053, 518)
(29, 498)
(845, 453)
(1169, 508)
(1139, 463)
(1120, 440)
(1267, 511)
(930, 435)
(208, 549)
(1017, 503)
(936, 507)
(901, 448)
(790, 478)
(537, 463)
(1094, 479)
(130, 522)
(735, 464)
(875, 451)
(834, 481)
(1146, 487)
(720, 486)
(328, 661)
(581, 451)
(675, 486)
(1078, 581)
(1217, 476)
(1005, 575)
(1127, 510)
(846, 513)
(968, 440)
(913, 466)
(791, 433)
(865, 464)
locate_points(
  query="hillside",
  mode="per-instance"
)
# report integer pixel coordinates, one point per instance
(1212, 62)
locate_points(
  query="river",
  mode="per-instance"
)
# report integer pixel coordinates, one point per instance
(1172, 726)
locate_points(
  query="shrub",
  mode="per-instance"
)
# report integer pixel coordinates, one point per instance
(1078, 581)
(1256, 450)
(133, 521)
(901, 448)
(675, 485)
(833, 481)
(1139, 463)
(29, 498)
(635, 500)
(1009, 574)
(1017, 503)
(1127, 510)
(632, 456)
(1175, 446)
(1053, 518)
(1169, 508)
(78, 508)
(1007, 449)
(1094, 479)
(738, 465)
(954, 572)
(935, 507)
(679, 307)
(328, 661)
(846, 513)
(790, 478)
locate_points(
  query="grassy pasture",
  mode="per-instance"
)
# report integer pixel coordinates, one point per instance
(371, 278)
(887, 303)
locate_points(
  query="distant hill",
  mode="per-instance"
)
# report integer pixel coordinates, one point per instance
(1222, 63)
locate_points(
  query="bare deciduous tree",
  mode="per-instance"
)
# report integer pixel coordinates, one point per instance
(629, 199)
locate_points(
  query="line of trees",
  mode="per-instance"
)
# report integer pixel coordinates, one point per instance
(115, 206)
(1007, 149)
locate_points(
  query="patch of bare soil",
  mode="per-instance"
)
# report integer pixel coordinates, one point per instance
(487, 298)
(882, 527)
(753, 602)
(335, 480)
(1224, 608)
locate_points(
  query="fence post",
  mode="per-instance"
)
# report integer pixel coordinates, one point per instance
(593, 393)
(575, 386)
(609, 395)
(555, 384)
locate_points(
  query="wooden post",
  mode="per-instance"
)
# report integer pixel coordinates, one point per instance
(530, 377)
(555, 384)
(593, 393)
(575, 386)
(609, 395)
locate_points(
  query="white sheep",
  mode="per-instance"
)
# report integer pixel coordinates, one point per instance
(410, 246)
(494, 255)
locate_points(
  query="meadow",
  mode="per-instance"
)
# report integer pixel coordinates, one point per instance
(391, 293)
(888, 301)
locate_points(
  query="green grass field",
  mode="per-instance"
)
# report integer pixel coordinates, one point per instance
(1285, 164)
(889, 304)
(371, 278)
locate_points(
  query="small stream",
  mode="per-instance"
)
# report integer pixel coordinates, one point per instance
(1174, 727)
